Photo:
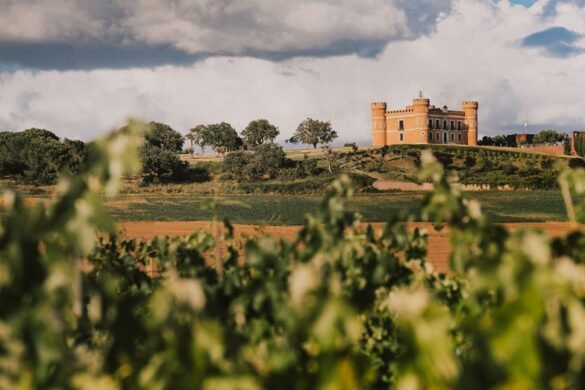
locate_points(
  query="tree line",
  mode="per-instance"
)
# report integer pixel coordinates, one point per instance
(542, 137)
(36, 156)
(222, 137)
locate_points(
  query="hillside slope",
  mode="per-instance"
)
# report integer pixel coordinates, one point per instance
(395, 168)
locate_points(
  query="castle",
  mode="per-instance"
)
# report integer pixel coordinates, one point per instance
(422, 123)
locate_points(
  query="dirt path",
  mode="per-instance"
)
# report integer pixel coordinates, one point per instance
(395, 185)
(438, 246)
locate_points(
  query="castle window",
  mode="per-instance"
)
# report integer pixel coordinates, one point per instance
(430, 123)
(452, 125)
(459, 126)
(401, 137)
(444, 138)
(452, 139)
(459, 137)
(445, 125)
(401, 125)
(438, 123)
(438, 136)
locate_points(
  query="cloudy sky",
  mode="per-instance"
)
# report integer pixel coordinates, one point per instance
(80, 67)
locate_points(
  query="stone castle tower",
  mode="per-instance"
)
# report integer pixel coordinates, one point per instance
(422, 123)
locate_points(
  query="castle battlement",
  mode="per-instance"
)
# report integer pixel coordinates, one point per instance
(400, 111)
(423, 123)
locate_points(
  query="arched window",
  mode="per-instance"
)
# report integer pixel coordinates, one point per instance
(452, 125)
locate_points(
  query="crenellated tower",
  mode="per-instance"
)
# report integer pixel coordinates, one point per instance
(378, 123)
(419, 134)
(470, 108)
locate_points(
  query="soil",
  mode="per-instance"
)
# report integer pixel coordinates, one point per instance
(438, 244)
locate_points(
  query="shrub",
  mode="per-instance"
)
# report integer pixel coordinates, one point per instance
(235, 163)
(264, 161)
(161, 165)
(269, 158)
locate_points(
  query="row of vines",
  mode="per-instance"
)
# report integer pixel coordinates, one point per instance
(341, 306)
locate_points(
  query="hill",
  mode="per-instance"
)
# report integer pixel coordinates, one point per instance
(395, 168)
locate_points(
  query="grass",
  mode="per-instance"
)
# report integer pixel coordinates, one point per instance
(195, 201)
(517, 206)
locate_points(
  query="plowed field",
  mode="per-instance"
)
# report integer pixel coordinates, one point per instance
(438, 246)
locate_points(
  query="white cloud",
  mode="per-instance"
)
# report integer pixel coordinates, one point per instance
(475, 53)
(219, 26)
(61, 20)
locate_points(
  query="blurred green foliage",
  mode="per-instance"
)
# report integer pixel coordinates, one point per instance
(341, 306)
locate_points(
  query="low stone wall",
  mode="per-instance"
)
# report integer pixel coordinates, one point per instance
(557, 150)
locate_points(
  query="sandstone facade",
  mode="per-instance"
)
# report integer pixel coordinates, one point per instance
(421, 123)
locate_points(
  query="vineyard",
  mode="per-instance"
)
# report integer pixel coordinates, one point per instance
(339, 306)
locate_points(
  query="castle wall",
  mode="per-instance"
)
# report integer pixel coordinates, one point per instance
(420, 123)
(447, 127)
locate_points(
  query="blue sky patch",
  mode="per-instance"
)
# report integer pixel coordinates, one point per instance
(556, 41)
(527, 3)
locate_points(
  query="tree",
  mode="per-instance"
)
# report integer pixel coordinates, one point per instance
(511, 140)
(567, 146)
(164, 137)
(500, 140)
(199, 135)
(222, 137)
(486, 141)
(37, 155)
(159, 164)
(191, 138)
(235, 163)
(160, 154)
(313, 132)
(549, 137)
(580, 144)
(265, 160)
(269, 158)
(258, 132)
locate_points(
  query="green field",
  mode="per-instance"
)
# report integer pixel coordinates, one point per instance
(287, 197)
(512, 206)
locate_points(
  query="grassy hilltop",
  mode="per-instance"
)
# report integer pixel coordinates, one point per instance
(254, 201)
(210, 189)
(487, 166)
